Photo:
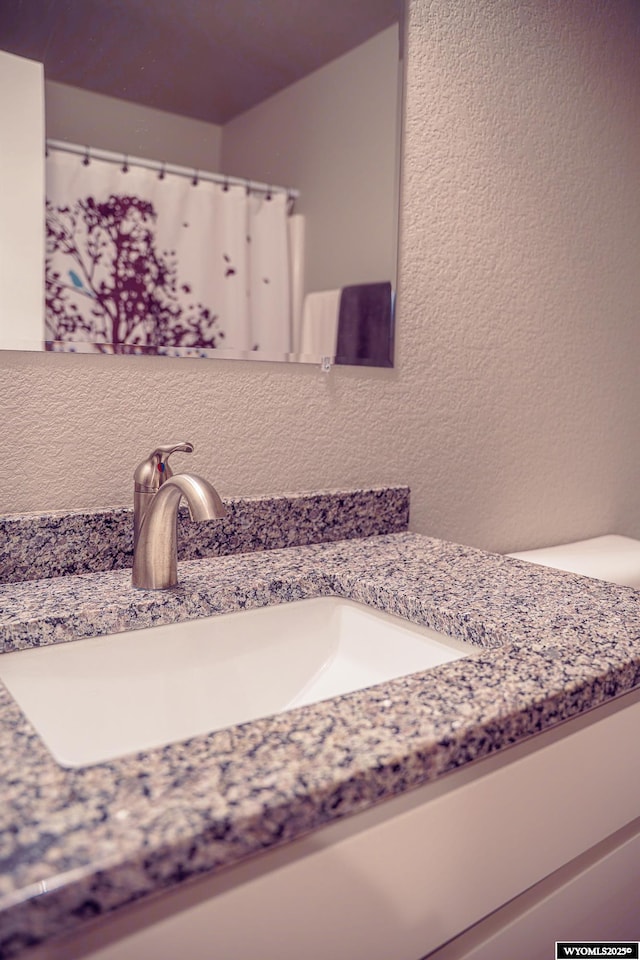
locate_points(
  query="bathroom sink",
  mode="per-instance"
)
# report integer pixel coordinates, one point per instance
(100, 698)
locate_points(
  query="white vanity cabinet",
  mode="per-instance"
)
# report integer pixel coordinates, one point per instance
(545, 828)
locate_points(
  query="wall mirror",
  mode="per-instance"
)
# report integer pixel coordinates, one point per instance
(221, 177)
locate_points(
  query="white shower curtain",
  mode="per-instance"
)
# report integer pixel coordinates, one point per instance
(139, 263)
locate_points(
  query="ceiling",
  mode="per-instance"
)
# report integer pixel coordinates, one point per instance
(207, 59)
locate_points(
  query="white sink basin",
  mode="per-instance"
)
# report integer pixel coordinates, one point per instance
(104, 697)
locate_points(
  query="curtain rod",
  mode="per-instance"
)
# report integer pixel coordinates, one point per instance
(193, 174)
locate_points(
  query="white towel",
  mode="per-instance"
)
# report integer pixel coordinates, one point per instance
(296, 226)
(320, 324)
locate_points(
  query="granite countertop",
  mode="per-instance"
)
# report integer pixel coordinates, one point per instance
(82, 842)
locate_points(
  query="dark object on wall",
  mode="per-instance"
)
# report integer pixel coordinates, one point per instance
(365, 325)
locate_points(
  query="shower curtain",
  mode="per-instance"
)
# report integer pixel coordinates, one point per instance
(141, 262)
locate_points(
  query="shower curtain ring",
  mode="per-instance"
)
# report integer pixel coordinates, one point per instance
(162, 171)
(87, 158)
(196, 180)
(125, 164)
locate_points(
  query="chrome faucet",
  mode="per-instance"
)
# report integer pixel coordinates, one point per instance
(156, 498)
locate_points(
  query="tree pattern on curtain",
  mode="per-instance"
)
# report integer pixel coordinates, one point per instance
(133, 301)
(142, 263)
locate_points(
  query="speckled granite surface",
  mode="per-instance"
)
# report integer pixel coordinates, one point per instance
(76, 843)
(33, 546)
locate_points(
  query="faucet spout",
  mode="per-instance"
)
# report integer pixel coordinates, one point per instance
(155, 560)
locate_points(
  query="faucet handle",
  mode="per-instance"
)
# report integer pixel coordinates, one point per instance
(152, 472)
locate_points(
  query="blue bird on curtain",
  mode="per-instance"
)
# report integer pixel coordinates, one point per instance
(77, 282)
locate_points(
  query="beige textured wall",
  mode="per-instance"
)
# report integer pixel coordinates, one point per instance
(513, 408)
(521, 268)
(333, 136)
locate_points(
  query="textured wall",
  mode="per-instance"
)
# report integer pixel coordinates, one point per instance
(513, 409)
(521, 276)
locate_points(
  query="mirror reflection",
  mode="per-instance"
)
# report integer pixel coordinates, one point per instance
(221, 178)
